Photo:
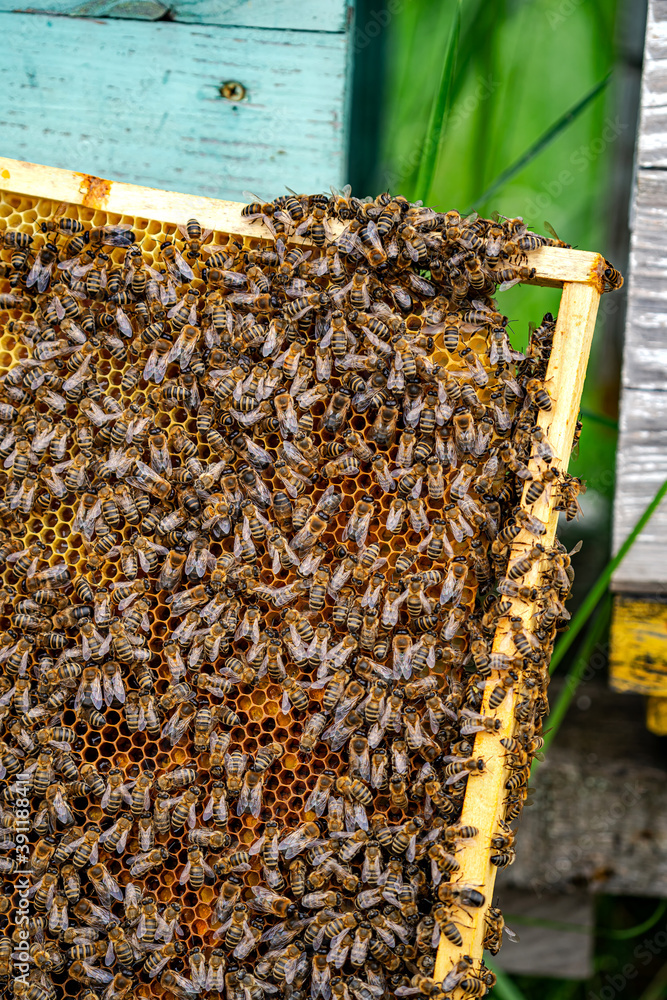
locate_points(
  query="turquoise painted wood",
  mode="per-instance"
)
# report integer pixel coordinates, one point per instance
(139, 101)
(302, 15)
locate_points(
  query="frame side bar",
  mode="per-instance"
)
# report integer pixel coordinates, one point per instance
(485, 794)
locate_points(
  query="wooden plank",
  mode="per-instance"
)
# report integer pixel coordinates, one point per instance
(143, 104)
(638, 653)
(642, 444)
(303, 15)
(485, 794)
(300, 15)
(656, 715)
(652, 137)
(556, 952)
(641, 467)
(140, 10)
(118, 198)
(645, 358)
(554, 266)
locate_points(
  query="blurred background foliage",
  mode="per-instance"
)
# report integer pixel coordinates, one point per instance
(525, 107)
(518, 67)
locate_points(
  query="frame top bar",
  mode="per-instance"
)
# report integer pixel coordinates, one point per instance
(553, 265)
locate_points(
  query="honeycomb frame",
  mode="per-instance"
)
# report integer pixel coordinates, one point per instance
(578, 273)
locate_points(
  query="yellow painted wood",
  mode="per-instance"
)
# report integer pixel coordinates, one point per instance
(656, 716)
(485, 794)
(553, 265)
(638, 647)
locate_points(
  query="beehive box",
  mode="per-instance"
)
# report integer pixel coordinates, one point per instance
(32, 194)
(201, 82)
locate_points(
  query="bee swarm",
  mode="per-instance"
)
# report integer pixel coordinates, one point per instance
(257, 506)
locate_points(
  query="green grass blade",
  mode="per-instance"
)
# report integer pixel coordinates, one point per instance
(657, 988)
(632, 932)
(575, 674)
(439, 113)
(505, 988)
(540, 144)
(599, 587)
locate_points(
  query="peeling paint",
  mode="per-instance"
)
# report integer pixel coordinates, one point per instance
(95, 191)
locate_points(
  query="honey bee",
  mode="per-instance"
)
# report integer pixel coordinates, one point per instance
(143, 863)
(312, 730)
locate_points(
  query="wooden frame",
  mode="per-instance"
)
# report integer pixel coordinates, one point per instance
(483, 804)
(579, 273)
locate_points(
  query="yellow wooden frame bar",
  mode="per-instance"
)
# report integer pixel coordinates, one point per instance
(579, 273)
(485, 795)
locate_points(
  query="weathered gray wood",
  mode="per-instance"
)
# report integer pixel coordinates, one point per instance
(652, 140)
(598, 818)
(544, 950)
(642, 445)
(641, 468)
(645, 358)
(139, 101)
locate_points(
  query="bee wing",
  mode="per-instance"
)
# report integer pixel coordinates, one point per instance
(60, 806)
(511, 934)
(102, 976)
(456, 777)
(256, 847)
(159, 967)
(255, 800)
(364, 766)
(185, 874)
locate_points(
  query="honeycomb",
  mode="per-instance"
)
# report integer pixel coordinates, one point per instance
(478, 369)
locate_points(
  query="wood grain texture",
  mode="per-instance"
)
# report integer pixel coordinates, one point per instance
(642, 444)
(140, 10)
(485, 794)
(556, 953)
(652, 138)
(638, 647)
(641, 468)
(601, 825)
(119, 199)
(645, 358)
(140, 101)
(300, 15)
(553, 265)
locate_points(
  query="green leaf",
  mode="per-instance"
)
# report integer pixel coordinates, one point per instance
(439, 113)
(544, 140)
(632, 932)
